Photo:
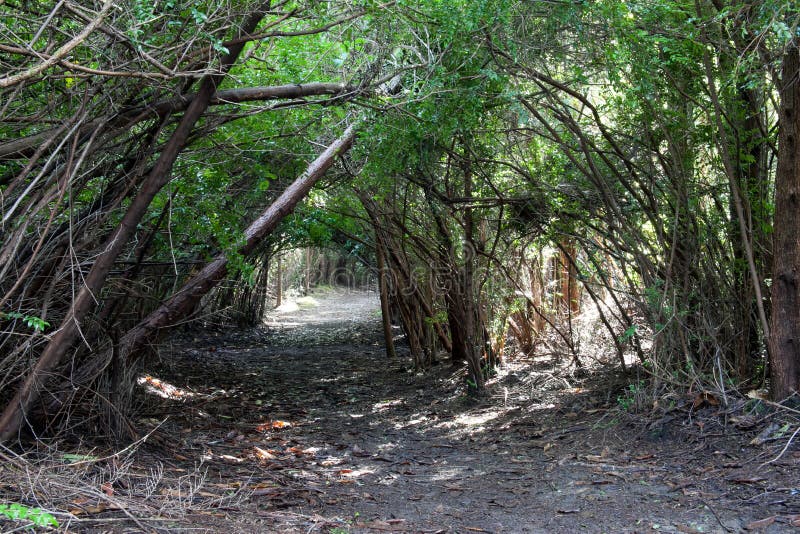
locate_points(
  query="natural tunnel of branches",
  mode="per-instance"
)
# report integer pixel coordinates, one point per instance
(610, 183)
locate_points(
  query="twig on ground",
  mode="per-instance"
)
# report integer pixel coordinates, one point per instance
(785, 448)
(118, 453)
(716, 515)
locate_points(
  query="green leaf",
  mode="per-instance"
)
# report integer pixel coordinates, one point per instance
(20, 512)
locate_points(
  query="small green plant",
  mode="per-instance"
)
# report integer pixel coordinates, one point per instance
(37, 323)
(631, 400)
(625, 403)
(627, 334)
(20, 512)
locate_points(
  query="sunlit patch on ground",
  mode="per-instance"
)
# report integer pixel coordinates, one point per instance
(287, 307)
(449, 473)
(416, 420)
(471, 421)
(387, 447)
(354, 473)
(165, 390)
(384, 405)
(307, 302)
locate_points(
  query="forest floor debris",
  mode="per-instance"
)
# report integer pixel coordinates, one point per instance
(303, 425)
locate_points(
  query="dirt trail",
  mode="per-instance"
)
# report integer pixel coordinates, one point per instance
(319, 432)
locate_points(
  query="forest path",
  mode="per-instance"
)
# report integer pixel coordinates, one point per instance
(311, 429)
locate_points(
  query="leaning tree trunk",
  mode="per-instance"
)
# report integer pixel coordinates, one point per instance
(70, 328)
(784, 341)
(186, 299)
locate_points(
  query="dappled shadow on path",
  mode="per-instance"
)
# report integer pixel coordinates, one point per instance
(308, 419)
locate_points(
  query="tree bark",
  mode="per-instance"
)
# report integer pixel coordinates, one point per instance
(279, 283)
(308, 272)
(784, 341)
(29, 391)
(383, 285)
(470, 293)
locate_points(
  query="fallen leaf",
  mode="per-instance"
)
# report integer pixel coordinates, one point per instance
(391, 525)
(744, 421)
(617, 474)
(761, 523)
(261, 454)
(747, 480)
(266, 492)
(281, 424)
(765, 434)
(81, 506)
(273, 425)
(92, 509)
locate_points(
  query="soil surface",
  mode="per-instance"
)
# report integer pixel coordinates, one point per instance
(304, 425)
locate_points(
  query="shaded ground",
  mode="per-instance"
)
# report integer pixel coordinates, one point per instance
(305, 426)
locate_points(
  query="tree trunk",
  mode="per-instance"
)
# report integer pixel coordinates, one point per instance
(470, 292)
(308, 272)
(570, 288)
(784, 341)
(383, 285)
(28, 393)
(538, 290)
(279, 283)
